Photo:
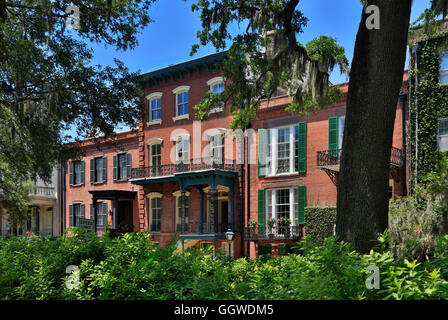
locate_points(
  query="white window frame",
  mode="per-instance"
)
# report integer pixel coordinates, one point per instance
(152, 196)
(442, 139)
(340, 131)
(445, 71)
(272, 151)
(176, 92)
(154, 96)
(271, 204)
(187, 152)
(211, 83)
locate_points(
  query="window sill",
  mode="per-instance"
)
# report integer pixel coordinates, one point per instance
(99, 182)
(76, 185)
(153, 122)
(184, 116)
(282, 175)
(216, 110)
(121, 180)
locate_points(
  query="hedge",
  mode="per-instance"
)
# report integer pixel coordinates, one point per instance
(319, 222)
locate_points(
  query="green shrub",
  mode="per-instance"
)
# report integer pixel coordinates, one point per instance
(320, 222)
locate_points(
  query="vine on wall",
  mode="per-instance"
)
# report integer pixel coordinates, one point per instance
(429, 102)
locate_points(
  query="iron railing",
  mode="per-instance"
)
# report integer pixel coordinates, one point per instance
(277, 233)
(193, 165)
(42, 191)
(195, 227)
(332, 157)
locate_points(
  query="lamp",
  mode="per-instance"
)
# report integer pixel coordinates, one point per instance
(229, 236)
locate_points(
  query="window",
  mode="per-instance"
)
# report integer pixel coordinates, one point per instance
(122, 164)
(282, 203)
(216, 87)
(282, 150)
(155, 155)
(76, 172)
(341, 125)
(154, 211)
(155, 109)
(182, 151)
(178, 196)
(217, 148)
(442, 134)
(182, 103)
(101, 214)
(75, 212)
(98, 169)
(444, 69)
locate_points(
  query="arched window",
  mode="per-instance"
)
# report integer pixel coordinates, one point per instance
(154, 209)
(216, 87)
(177, 195)
(181, 102)
(155, 108)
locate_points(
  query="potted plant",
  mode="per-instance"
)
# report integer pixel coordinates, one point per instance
(271, 225)
(252, 224)
(283, 224)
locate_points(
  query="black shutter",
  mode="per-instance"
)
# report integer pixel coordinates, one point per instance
(105, 169)
(92, 170)
(104, 213)
(115, 167)
(70, 173)
(36, 218)
(71, 220)
(83, 167)
(128, 165)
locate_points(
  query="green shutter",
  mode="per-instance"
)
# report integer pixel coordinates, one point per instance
(261, 213)
(301, 192)
(333, 136)
(261, 152)
(302, 147)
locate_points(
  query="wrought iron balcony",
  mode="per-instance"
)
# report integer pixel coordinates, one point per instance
(328, 158)
(194, 227)
(193, 165)
(277, 233)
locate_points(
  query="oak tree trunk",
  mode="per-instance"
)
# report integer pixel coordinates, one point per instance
(375, 80)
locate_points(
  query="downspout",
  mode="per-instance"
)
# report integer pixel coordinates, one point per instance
(242, 180)
(403, 134)
(248, 188)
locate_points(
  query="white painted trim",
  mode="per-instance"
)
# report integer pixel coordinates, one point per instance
(184, 116)
(215, 80)
(153, 122)
(180, 136)
(178, 193)
(181, 89)
(154, 195)
(215, 131)
(154, 95)
(154, 141)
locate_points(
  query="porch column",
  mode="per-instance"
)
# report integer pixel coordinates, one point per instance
(115, 212)
(93, 215)
(201, 208)
(182, 210)
(232, 208)
(213, 198)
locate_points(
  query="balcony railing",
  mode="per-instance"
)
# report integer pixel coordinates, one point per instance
(332, 157)
(277, 233)
(193, 165)
(42, 191)
(194, 227)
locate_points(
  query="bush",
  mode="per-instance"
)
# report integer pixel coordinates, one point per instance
(320, 222)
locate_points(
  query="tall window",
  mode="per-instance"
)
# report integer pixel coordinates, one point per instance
(442, 135)
(101, 214)
(155, 212)
(77, 172)
(341, 125)
(155, 112)
(443, 127)
(217, 88)
(99, 169)
(182, 151)
(282, 150)
(217, 148)
(444, 69)
(76, 211)
(178, 196)
(122, 166)
(282, 203)
(182, 103)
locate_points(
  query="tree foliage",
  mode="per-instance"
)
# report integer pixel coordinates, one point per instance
(48, 84)
(266, 56)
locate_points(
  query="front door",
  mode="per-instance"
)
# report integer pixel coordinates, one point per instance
(223, 215)
(125, 212)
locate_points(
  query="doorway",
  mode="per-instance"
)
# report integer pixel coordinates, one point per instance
(125, 209)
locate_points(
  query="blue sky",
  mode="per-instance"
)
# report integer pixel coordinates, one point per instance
(168, 40)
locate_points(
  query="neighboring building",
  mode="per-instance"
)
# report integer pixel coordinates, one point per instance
(97, 186)
(428, 97)
(44, 213)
